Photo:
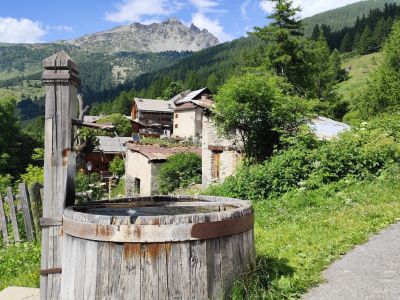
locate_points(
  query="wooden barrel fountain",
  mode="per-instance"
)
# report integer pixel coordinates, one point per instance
(156, 248)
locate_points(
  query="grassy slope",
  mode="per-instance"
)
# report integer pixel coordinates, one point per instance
(361, 69)
(300, 234)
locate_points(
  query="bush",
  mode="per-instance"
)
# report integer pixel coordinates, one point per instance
(359, 154)
(117, 166)
(180, 171)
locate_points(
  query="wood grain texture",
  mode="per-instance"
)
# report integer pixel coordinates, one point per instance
(26, 209)
(3, 222)
(59, 161)
(13, 214)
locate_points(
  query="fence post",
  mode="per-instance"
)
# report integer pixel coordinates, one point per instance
(13, 214)
(36, 205)
(3, 222)
(26, 209)
(60, 79)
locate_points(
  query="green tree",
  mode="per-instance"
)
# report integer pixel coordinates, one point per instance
(383, 92)
(346, 44)
(122, 124)
(366, 44)
(173, 89)
(255, 105)
(180, 171)
(285, 53)
(117, 166)
(212, 83)
(316, 33)
(15, 147)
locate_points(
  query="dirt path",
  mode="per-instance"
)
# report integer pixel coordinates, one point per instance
(370, 271)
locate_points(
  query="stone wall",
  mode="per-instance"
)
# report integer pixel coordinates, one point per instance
(227, 148)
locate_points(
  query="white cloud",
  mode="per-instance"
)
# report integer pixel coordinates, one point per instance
(213, 26)
(309, 7)
(243, 8)
(20, 31)
(204, 18)
(267, 6)
(60, 28)
(204, 4)
(135, 10)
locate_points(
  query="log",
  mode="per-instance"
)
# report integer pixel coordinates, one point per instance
(13, 214)
(3, 222)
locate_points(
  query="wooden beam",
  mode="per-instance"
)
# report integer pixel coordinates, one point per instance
(60, 79)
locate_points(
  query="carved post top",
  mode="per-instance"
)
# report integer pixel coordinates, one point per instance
(60, 67)
(60, 60)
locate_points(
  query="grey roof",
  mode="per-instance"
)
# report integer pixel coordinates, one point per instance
(327, 129)
(180, 96)
(154, 105)
(109, 144)
(191, 96)
(91, 119)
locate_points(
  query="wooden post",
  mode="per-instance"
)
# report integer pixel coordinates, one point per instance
(26, 209)
(13, 214)
(36, 205)
(60, 79)
(3, 222)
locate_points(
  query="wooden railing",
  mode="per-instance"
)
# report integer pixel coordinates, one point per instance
(27, 205)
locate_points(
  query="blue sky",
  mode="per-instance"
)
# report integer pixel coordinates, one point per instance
(49, 20)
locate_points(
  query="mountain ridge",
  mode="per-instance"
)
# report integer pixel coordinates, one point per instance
(169, 35)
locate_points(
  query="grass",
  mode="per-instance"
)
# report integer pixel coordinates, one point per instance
(19, 265)
(361, 69)
(297, 236)
(300, 234)
(27, 88)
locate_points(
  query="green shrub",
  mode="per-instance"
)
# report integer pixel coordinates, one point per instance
(361, 153)
(180, 171)
(5, 182)
(117, 166)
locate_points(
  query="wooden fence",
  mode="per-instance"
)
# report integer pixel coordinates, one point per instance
(28, 205)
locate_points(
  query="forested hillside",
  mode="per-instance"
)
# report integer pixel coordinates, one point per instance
(341, 17)
(101, 73)
(367, 35)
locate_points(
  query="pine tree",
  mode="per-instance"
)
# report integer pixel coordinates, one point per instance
(356, 40)
(316, 33)
(286, 53)
(379, 33)
(366, 44)
(346, 46)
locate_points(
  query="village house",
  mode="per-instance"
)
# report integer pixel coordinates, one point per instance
(152, 117)
(108, 149)
(142, 166)
(188, 114)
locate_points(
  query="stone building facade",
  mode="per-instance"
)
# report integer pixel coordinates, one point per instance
(143, 163)
(220, 154)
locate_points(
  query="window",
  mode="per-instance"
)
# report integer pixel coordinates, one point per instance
(136, 186)
(176, 116)
(176, 125)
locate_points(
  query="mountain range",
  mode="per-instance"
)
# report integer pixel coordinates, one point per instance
(170, 35)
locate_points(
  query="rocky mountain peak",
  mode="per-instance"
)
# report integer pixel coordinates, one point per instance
(169, 35)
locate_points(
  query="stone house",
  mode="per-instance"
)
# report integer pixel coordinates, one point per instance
(142, 165)
(188, 114)
(220, 154)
